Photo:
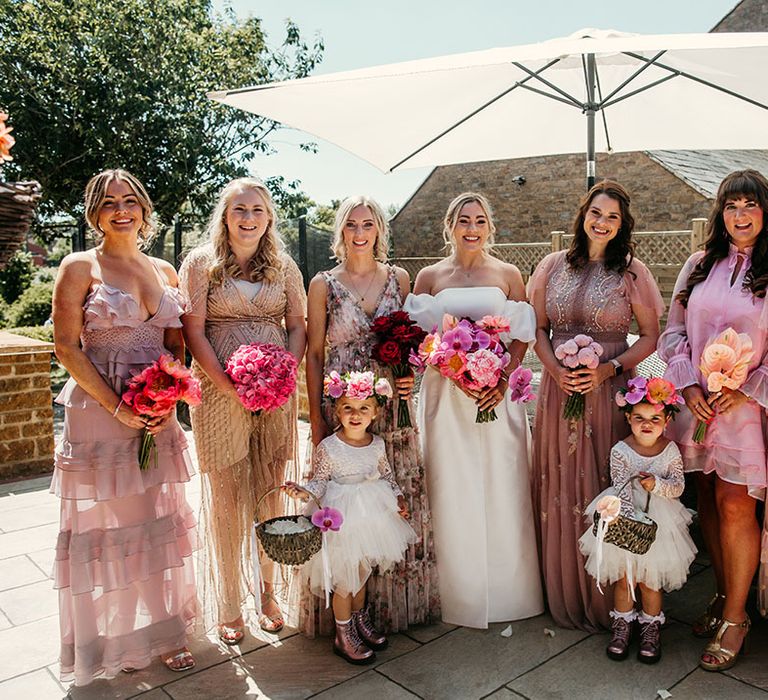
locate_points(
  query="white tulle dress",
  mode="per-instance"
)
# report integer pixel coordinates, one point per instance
(358, 482)
(477, 478)
(665, 565)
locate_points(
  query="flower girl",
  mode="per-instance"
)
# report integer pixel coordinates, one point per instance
(351, 475)
(646, 468)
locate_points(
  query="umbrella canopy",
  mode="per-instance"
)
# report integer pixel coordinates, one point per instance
(593, 91)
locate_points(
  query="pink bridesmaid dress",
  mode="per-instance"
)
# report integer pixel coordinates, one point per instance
(123, 565)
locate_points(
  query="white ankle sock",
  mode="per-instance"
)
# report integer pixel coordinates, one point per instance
(629, 615)
(645, 618)
(343, 622)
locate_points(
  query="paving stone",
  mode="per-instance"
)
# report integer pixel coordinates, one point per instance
(428, 633)
(752, 668)
(370, 684)
(713, 686)
(29, 647)
(18, 571)
(37, 685)
(566, 676)
(44, 560)
(31, 515)
(689, 602)
(29, 603)
(156, 694)
(33, 539)
(5, 623)
(296, 668)
(468, 663)
(503, 694)
(14, 488)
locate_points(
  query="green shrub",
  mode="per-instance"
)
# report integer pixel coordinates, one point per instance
(44, 333)
(3, 312)
(17, 276)
(32, 308)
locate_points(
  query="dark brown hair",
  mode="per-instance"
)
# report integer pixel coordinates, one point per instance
(620, 250)
(748, 184)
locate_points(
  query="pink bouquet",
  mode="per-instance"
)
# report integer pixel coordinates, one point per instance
(357, 385)
(578, 353)
(155, 391)
(724, 363)
(470, 353)
(519, 382)
(264, 376)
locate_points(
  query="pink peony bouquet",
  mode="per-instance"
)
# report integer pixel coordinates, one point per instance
(577, 353)
(264, 376)
(155, 391)
(357, 385)
(468, 352)
(724, 364)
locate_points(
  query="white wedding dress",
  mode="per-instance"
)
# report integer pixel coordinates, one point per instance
(477, 478)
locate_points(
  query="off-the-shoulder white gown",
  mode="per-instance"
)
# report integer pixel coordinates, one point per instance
(477, 478)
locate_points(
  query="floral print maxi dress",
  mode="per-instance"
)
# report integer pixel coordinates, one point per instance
(408, 593)
(571, 458)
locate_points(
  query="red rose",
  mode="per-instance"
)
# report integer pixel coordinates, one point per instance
(388, 353)
(400, 317)
(398, 332)
(381, 325)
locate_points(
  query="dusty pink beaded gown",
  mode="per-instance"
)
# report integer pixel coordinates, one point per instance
(408, 593)
(123, 564)
(571, 458)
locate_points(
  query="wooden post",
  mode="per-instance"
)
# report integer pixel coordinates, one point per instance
(698, 232)
(557, 240)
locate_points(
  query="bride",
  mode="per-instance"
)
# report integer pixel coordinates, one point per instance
(477, 473)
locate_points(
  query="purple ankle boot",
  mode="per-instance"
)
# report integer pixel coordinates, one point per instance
(650, 637)
(621, 628)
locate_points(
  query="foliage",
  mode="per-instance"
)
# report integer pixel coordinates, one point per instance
(32, 308)
(44, 333)
(16, 276)
(3, 312)
(92, 84)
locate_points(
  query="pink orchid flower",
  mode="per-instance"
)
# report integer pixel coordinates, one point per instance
(327, 519)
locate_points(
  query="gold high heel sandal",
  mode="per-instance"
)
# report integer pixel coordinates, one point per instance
(725, 657)
(707, 623)
(271, 624)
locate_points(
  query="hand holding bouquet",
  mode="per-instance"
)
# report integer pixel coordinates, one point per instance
(397, 337)
(155, 391)
(264, 376)
(581, 352)
(468, 352)
(724, 364)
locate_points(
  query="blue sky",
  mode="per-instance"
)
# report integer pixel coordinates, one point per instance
(359, 34)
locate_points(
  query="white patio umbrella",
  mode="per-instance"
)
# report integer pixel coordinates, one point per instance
(646, 92)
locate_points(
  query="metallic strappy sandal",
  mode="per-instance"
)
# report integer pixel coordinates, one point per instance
(725, 657)
(183, 661)
(707, 623)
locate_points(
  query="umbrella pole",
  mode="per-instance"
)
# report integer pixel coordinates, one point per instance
(590, 112)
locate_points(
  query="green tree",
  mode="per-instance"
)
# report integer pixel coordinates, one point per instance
(92, 84)
(16, 276)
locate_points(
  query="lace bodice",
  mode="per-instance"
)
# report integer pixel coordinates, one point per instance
(593, 300)
(667, 467)
(335, 459)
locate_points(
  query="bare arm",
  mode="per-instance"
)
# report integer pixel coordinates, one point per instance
(317, 320)
(517, 348)
(296, 328)
(72, 285)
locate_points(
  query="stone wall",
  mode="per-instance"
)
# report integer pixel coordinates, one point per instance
(746, 16)
(546, 202)
(26, 415)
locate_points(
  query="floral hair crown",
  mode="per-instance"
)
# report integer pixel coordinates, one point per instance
(357, 385)
(658, 392)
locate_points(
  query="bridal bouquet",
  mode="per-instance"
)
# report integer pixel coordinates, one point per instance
(397, 336)
(264, 376)
(724, 363)
(577, 353)
(155, 391)
(468, 352)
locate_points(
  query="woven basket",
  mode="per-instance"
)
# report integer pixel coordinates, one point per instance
(292, 549)
(636, 536)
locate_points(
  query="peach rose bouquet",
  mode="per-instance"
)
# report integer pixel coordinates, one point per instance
(725, 365)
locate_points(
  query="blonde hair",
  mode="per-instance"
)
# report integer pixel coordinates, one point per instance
(381, 247)
(452, 217)
(265, 262)
(96, 193)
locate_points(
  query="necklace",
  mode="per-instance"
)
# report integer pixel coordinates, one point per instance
(367, 289)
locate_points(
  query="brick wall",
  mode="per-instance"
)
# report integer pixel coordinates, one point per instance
(546, 202)
(26, 416)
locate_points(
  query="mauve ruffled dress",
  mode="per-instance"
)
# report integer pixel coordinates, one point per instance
(123, 565)
(571, 458)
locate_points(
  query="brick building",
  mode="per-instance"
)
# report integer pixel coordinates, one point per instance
(534, 196)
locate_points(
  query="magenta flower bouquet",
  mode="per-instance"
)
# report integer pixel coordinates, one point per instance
(520, 385)
(578, 353)
(264, 376)
(470, 353)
